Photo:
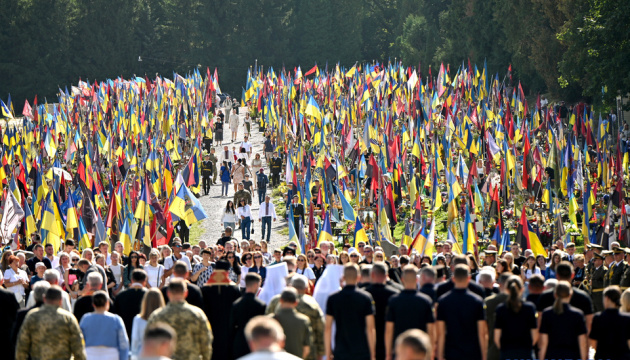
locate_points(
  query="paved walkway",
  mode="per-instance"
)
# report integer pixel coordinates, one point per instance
(214, 203)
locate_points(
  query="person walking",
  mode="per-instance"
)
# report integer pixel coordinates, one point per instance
(129, 301)
(409, 309)
(226, 178)
(206, 173)
(381, 293)
(609, 332)
(262, 181)
(152, 300)
(215, 165)
(104, 333)
(244, 309)
(296, 326)
(229, 216)
(190, 323)
(563, 328)
(515, 327)
(350, 341)
(266, 340)
(233, 120)
(266, 214)
(218, 128)
(461, 321)
(244, 213)
(50, 332)
(275, 167)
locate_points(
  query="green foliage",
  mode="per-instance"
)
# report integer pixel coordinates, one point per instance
(568, 48)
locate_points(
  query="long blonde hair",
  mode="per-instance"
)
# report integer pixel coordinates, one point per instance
(151, 301)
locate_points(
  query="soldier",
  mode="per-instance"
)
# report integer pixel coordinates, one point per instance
(298, 213)
(50, 332)
(215, 164)
(625, 278)
(242, 194)
(597, 281)
(296, 326)
(194, 336)
(275, 167)
(617, 268)
(309, 307)
(206, 172)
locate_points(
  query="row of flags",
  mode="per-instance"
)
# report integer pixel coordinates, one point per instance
(463, 142)
(103, 158)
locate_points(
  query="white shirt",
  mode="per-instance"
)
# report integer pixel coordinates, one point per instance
(54, 262)
(228, 217)
(268, 355)
(246, 145)
(229, 158)
(137, 334)
(262, 212)
(170, 261)
(117, 271)
(244, 211)
(308, 272)
(154, 273)
(12, 276)
(65, 301)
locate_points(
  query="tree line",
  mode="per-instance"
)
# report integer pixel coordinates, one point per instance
(571, 49)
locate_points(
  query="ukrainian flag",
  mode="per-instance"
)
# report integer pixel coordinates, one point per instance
(348, 211)
(312, 108)
(469, 234)
(84, 239)
(29, 220)
(326, 233)
(359, 233)
(125, 236)
(193, 212)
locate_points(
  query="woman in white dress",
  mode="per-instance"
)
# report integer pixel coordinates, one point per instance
(233, 125)
(154, 270)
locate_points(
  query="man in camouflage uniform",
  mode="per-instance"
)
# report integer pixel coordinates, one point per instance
(597, 281)
(309, 307)
(242, 194)
(215, 163)
(194, 336)
(50, 332)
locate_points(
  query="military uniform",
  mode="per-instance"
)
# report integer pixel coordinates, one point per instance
(49, 332)
(242, 194)
(614, 274)
(298, 216)
(309, 307)
(206, 172)
(597, 287)
(275, 168)
(625, 279)
(194, 336)
(215, 163)
(297, 330)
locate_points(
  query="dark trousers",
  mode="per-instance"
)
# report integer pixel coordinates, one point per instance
(275, 179)
(207, 181)
(261, 195)
(245, 227)
(266, 224)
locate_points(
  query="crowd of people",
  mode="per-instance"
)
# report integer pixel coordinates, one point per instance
(232, 299)
(400, 197)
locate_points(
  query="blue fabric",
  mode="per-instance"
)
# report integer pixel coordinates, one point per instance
(105, 330)
(266, 224)
(225, 174)
(245, 228)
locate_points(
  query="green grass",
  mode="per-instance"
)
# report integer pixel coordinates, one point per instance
(195, 233)
(284, 231)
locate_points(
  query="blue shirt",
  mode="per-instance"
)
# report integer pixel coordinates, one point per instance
(105, 330)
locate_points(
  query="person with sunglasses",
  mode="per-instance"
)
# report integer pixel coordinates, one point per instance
(259, 266)
(248, 263)
(176, 256)
(134, 263)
